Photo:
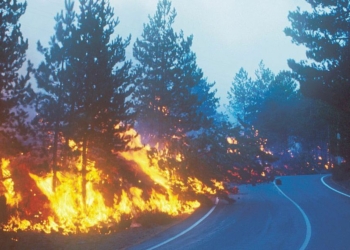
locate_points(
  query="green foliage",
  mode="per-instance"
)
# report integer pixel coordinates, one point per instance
(326, 75)
(85, 82)
(246, 95)
(277, 115)
(172, 97)
(84, 79)
(239, 95)
(54, 103)
(176, 106)
(101, 77)
(15, 92)
(295, 127)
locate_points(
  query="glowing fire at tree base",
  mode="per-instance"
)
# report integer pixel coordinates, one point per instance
(34, 205)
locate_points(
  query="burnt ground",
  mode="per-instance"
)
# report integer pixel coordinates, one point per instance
(118, 240)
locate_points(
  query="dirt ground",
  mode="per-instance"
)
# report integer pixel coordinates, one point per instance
(118, 240)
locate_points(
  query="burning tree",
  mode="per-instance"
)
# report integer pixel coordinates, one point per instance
(101, 173)
(174, 102)
(284, 117)
(252, 160)
(56, 103)
(86, 82)
(15, 92)
(101, 113)
(94, 171)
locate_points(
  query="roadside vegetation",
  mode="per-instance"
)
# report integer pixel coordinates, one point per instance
(145, 130)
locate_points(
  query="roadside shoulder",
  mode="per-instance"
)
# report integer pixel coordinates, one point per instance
(342, 186)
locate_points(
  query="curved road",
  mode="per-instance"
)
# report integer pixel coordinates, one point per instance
(306, 215)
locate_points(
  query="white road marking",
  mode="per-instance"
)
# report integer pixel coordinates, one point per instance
(306, 219)
(188, 229)
(324, 183)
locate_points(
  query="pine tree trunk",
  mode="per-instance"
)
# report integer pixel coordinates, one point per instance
(83, 170)
(54, 159)
(55, 145)
(55, 142)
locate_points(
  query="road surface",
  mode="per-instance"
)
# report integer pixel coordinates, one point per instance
(305, 215)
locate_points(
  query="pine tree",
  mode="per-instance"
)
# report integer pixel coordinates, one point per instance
(175, 104)
(239, 95)
(246, 95)
(170, 86)
(326, 74)
(264, 77)
(207, 99)
(102, 111)
(15, 92)
(86, 82)
(275, 115)
(54, 78)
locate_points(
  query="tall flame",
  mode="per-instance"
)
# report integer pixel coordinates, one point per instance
(67, 213)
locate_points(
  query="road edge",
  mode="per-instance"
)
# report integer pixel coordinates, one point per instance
(188, 229)
(306, 219)
(333, 189)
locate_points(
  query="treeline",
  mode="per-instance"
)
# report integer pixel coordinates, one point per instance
(293, 125)
(87, 92)
(326, 75)
(88, 97)
(305, 113)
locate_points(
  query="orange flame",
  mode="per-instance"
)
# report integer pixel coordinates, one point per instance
(71, 215)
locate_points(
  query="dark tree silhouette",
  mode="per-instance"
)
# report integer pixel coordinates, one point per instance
(101, 75)
(246, 95)
(176, 106)
(86, 82)
(15, 92)
(326, 74)
(54, 76)
(171, 92)
(239, 95)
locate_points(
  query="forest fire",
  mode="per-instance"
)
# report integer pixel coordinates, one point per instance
(33, 204)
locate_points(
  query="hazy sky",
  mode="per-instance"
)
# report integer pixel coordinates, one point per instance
(228, 34)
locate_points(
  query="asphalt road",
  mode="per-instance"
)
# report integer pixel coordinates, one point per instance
(306, 215)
